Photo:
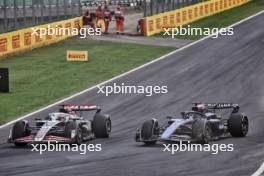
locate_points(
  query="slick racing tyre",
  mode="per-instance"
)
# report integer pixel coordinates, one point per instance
(71, 129)
(101, 126)
(238, 125)
(201, 131)
(20, 129)
(149, 131)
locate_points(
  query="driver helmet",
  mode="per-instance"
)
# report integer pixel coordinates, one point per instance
(201, 108)
(71, 113)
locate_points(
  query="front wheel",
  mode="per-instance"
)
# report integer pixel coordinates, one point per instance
(20, 129)
(149, 131)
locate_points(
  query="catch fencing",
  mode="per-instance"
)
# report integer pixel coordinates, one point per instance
(122, 3)
(18, 14)
(155, 24)
(153, 7)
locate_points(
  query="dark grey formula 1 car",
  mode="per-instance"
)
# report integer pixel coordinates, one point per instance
(63, 126)
(206, 122)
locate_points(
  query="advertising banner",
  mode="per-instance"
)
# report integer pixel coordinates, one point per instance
(77, 55)
(30, 38)
(156, 24)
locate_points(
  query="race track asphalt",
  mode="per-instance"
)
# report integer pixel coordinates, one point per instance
(227, 69)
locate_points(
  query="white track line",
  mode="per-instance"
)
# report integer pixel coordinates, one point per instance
(259, 171)
(126, 73)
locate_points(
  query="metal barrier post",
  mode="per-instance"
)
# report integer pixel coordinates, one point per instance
(178, 4)
(50, 12)
(15, 14)
(57, 9)
(33, 13)
(5, 16)
(145, 8)
(157, 6)
(79, 7)
(24, 13)
(151, 7)
(72, 7)
(65, 8)
(163, 6)
(41, 11)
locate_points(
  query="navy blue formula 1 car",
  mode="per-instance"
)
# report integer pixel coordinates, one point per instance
(204, 123)
(63, 126)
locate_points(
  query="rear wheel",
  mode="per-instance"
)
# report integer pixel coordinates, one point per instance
(20, 129)
(101, 126)
(238, 125)
(148, 131)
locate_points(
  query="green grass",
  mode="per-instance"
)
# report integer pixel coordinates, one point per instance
(223, 19)
(43, 76)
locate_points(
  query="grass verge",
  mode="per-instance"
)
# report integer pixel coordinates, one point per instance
(223, 19)
(43, 76)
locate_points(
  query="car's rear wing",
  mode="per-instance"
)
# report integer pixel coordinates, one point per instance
(70, 107)
(215, 106)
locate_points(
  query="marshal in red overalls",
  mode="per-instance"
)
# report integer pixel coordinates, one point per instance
(119, 17)
(107, 18)
(88, 19)
(99, 14)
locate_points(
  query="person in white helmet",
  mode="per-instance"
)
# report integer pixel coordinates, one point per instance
(201, 108)
(119, 17)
